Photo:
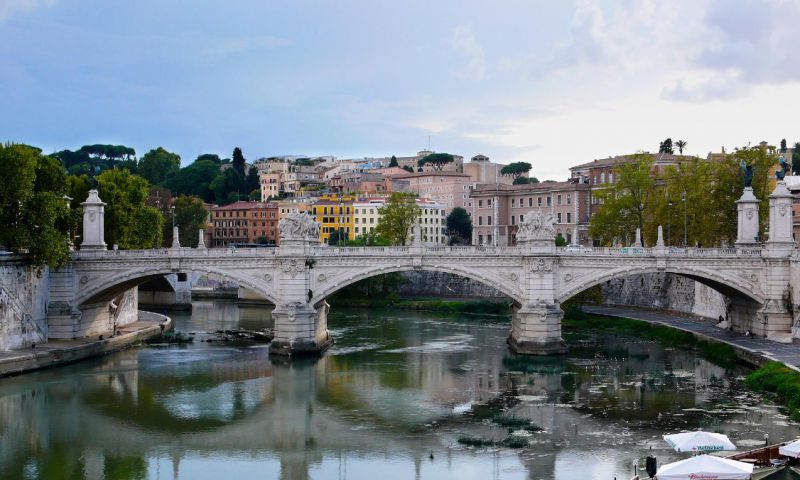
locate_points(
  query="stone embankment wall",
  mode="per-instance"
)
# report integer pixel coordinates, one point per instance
(440, 284)
(665, 291)
(24, 293)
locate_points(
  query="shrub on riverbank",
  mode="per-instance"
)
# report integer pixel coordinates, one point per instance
(720, 353)
(777, 378)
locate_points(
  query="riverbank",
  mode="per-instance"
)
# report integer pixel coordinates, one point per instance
(60, 352)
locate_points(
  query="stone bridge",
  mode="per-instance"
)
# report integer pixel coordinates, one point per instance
(761, 280)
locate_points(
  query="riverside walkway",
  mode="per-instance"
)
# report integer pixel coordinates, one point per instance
(788, 353)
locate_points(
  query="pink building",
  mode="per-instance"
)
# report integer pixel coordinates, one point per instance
(497, 210)
(451, 189)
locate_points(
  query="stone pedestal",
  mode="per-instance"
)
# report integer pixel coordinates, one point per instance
(300, 329)
(747, 225)
(176, 239)
(536, 330)
(93, 223)
(781, 240)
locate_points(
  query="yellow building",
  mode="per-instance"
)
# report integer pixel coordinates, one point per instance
(334, 212)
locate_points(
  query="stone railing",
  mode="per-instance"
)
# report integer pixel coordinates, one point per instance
(455, 251)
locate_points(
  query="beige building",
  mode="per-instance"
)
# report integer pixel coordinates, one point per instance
(450, 189)
(481, 170)
(432, 222)
(366, 215)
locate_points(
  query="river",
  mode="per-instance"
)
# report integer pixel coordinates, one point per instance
(389, 400)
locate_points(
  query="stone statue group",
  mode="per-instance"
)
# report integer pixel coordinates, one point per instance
(537, 226)
(299, 226)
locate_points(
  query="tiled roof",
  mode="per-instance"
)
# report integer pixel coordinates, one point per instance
(242, 205)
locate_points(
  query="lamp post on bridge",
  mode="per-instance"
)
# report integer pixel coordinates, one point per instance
(685, 221)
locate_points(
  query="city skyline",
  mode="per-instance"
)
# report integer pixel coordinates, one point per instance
(554, 84)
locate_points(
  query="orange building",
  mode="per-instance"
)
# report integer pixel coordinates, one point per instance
(245, 223)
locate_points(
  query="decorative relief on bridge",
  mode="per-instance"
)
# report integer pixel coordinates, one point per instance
(542, 266)
(268, 277)
(299, 227)
(322, 277)
(537, 226)
(782, 209)
(511, 276)
(292, 267)
(84, 280)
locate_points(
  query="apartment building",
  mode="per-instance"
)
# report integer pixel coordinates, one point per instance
(245, 223)
(450, 189)
(334, 212)
(498, 209)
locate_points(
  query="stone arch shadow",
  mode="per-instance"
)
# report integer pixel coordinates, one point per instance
(109, 286)
(493, 281)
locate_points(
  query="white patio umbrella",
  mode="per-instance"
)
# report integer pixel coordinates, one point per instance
(791, 449)
(699, 442)
(705, 467)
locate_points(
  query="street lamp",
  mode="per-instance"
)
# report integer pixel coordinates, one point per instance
(685, 221)
(669, 222)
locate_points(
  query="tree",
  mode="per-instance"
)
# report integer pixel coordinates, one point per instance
(238, 161)
(190, 217)
(524, 181)
(226, 187)
(459, 226)
(783, 145)
(397, 218)
(158, 166)
(129, 222)
(625, 201)
(666, 146)
(561, 241)
(681, 144)
(393, 162)
(436, 160)
(195, 180)
(35, 217)
(93, 159)
(516, 169)
(337, 237)
(252, 182)
(212, 157)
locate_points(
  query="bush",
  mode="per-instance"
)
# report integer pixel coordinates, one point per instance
(777, 378)
(475, 442)
(508, 420)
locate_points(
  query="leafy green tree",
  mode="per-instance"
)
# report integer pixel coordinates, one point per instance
(158, 166)
(436, 160)
(369, 239)
(211, 157)
(252, 182)
(196, 180)
(516, 169)
(337, 237)
(681, 144)
(523, 181)
(226, 186)
(255, 195)
(408, 168)
(625, 201)
(561, 241)
(393, 162)
(459, 226)
(238, 162)
(129, 222)
(398, 217)
(666, 146)
(190, 217)
(93, 159)
(35, 217)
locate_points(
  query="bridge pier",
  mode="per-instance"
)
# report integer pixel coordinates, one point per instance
(536, 329)
(300, 329)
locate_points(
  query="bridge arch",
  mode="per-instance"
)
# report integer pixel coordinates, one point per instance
(493, 280)
(728, 285)
(108, 286)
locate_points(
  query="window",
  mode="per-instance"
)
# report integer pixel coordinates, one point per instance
(530, 201)
(539, 201)
(559, 217)
(512, 220)
(513, 202)
(603, 177)
(569, 217)
(489, 220)
(549, 201)
(480, 239)
(480, 203)
(489, 202)
(521, 218)
(569, 199)
(558, 200)
(480, 219)
(488, 239)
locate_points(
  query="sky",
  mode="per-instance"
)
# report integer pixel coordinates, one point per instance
(553, 83)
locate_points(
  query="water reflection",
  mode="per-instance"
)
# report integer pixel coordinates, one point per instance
(389, 399)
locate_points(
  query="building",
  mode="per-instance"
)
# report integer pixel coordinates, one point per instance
(245, 223)
(366, 215)
(481, 170)
(497, 210)
(270, 185)
(450, 189)
(432, 222)
(291, 206)
(334, 212)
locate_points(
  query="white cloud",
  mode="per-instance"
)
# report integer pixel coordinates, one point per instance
(11, 7)
(464, 42)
